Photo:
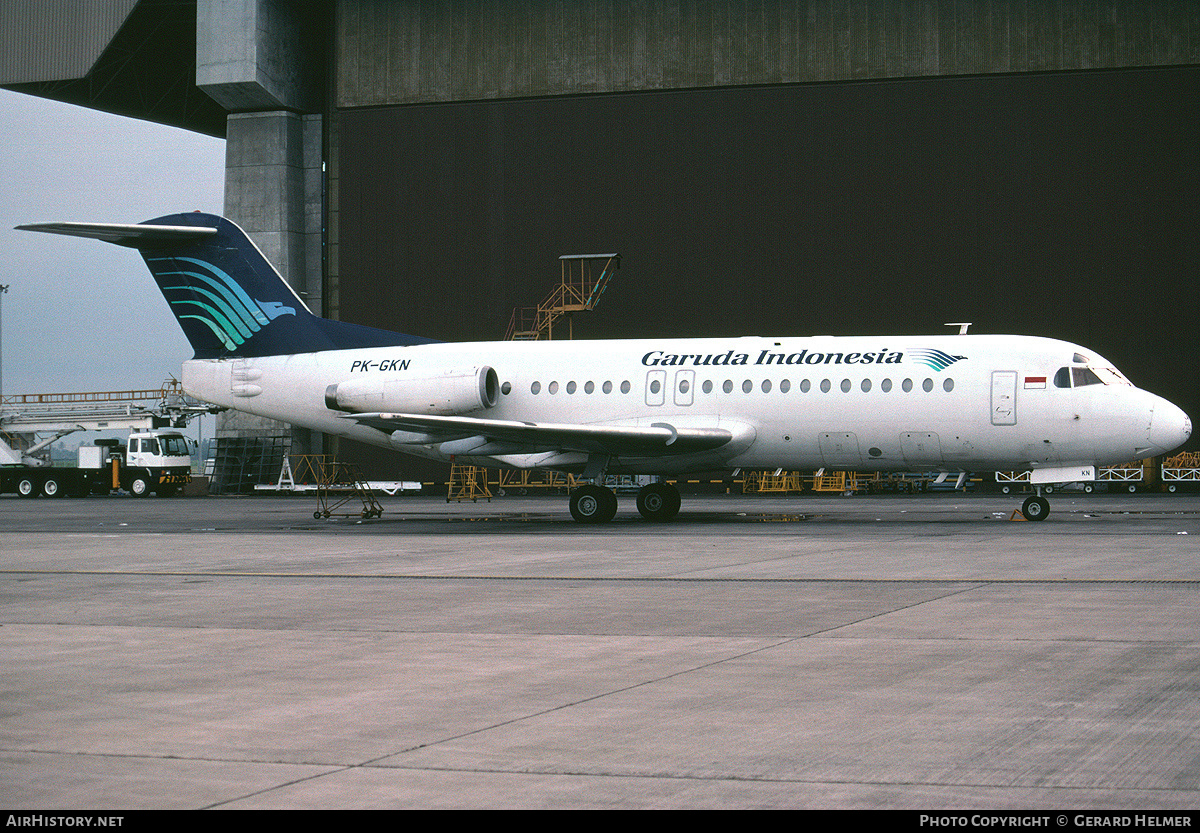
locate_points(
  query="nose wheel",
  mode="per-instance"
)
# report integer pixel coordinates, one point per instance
(1035, 508)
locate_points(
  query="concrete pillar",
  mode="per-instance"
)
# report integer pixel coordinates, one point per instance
(263, 60)
(273, 190)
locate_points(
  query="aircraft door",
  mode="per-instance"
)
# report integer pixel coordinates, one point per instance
(921, 448)
(656, 387)
(1004, 397)
(685, 381)
(840, 450)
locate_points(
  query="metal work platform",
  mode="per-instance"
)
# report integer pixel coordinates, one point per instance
(41, 413)
(579, 290)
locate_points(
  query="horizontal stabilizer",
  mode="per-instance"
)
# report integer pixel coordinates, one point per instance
(125, 234)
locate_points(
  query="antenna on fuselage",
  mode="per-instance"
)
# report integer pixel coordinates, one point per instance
(962, 326)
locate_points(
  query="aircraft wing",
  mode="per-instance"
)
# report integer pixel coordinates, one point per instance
(659, 438)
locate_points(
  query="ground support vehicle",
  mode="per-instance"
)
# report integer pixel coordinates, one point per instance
(1181, 471)
(151, 462)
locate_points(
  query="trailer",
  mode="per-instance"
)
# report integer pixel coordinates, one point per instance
(1181, 471)
(157, 461)
(1130, 477)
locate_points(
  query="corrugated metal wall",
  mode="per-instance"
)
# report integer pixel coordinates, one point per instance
(395, 52)
(51, 40)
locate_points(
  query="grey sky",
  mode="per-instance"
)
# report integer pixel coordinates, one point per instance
(81, 315)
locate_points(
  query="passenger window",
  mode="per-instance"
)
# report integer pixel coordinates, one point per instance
(805, 386)
(766, 386)
(570, 387)
(927, 385)
(866, 385)
(886, 385)
(747, 386)
(906, 385)
(625, 387)
(607, 387)
(708, 385)
(785, 386)
(846, 386)
(948, 385)
(553, 387)
(589, 387)
(825, 386)
(728, 386)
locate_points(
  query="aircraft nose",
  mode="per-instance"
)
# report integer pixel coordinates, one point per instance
(1170, 427)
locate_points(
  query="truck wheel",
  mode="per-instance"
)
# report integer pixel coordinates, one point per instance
(51, 488)
(26, 487)
(139, 487)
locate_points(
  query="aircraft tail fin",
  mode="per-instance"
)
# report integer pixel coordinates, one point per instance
(226, 295)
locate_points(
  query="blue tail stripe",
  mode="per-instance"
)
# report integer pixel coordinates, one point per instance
(234, 317)
(235, 303)
(232, 284)
(217, 318)
(225, 339)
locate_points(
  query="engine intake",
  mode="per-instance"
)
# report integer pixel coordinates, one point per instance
(456, 391)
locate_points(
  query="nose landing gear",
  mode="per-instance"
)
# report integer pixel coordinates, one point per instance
(1035, 508)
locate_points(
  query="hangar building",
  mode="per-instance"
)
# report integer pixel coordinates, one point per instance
(811, 167)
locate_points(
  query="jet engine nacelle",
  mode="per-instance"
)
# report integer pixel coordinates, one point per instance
(455, 391)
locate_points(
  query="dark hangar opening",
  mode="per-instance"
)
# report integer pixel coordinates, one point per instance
(1060, 204)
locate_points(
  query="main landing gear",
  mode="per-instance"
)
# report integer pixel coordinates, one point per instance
(592, 504)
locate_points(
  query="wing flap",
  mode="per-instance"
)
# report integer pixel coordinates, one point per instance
(654, 439)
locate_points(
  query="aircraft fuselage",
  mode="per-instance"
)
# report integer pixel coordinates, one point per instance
(953, 403)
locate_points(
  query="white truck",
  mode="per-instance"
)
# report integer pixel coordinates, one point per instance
(156, 461)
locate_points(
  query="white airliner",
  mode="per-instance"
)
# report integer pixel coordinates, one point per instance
(950, 403)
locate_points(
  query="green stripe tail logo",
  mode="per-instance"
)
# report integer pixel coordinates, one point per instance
(211, 296)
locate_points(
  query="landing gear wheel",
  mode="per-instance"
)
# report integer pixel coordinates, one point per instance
(658, 502)
(593, 504)
(1035, 508)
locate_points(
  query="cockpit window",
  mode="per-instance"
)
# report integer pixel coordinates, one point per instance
(1112, 376)
(1079, 377)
